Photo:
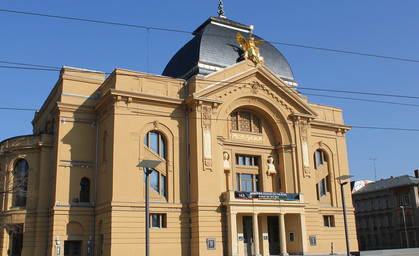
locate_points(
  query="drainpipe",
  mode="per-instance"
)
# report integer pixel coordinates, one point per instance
(188, 170)
(95, 193)
(49, 198)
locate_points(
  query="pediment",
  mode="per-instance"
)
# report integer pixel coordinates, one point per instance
(247, 80)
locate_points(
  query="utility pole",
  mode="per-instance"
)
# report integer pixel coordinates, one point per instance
(374, 159)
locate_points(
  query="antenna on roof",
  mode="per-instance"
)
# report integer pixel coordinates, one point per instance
(374, 159)
(221, 12)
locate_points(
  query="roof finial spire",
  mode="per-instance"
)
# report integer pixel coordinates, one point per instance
(221, 12)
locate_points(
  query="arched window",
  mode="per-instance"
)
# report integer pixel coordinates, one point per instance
(85, 190)
(156, 143)
(245, 122)
(319, 158)
(20, 182)
(322, 173)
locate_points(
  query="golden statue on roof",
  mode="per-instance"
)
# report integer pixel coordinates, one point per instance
(249, 47)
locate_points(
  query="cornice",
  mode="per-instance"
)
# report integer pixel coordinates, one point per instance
(131, 96)
(330, 125)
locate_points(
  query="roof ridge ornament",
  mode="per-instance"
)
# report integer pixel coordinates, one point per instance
(221, 12)
(251, 51)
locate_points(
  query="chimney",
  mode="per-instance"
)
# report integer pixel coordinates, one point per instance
(416, 173)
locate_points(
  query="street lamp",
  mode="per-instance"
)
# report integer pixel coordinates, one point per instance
(147, 166)
(405, 228)
(340, 179)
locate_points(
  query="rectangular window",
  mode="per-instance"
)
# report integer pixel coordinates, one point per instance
(313, 240)
(157, 182)
(372, 205)
(399, 200)
(406, 199)
(322, 188)
(291, 236)
(247, 182)
(247, 178)
(317, 192)
(154, 180)
(158, 220)
(328, 220)
(247, 160)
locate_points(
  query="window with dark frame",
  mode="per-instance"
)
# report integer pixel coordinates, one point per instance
(319, 158)
(322, 187)
(84, 190)
(158, 220)
(16, 237)
(20, 182)
(156, 143)
(328, 220)
(245, 122)
(247, 175)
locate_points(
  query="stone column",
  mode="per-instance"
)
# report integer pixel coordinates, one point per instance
(303, 232)
(256, 235)
(282, 235)
(232, 234)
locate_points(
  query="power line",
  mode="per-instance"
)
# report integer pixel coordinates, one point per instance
(189, 32)
(367, 100)
(29, 68)
(226, 120)
(236, 84)
(358, 92)
(347, 52)
(385, 128)
(94, 21)
(51, 68)
(19, 109)
(26, 64)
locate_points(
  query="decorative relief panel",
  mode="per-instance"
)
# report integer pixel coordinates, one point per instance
(206, 129)
(303, 126)
(254, 138)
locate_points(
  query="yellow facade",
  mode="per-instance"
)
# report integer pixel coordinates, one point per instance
(95, 128)
(248, 167)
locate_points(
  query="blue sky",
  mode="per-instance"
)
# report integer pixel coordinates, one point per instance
(387, 28)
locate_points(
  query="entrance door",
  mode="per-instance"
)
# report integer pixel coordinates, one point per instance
(72, 248)
(273, 234)
(248, 235)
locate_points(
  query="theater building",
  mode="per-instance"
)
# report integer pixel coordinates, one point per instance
(247, 163)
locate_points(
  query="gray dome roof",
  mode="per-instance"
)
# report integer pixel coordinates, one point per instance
(215, 47)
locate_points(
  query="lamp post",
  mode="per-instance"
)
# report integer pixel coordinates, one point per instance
(147, 166)
(340, 179)
(405, 228)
